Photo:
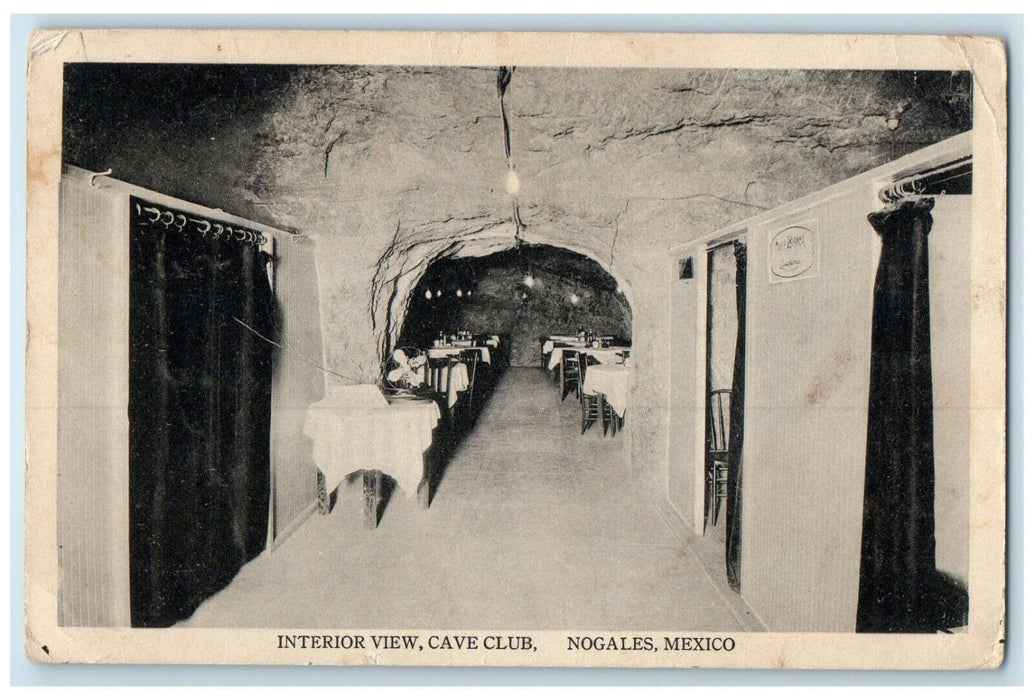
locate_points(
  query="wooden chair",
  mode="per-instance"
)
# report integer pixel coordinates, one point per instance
(569, 375)
(611, 416)
(471, 358)
(439, 378)
(717, 453)
(592, 404)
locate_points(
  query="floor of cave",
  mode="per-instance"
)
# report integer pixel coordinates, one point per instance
(533, 527)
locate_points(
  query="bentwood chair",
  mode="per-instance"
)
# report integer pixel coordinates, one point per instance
(591, 404)
(717, 453)
(439, 378)
(613, 418)
(569, 374)
(471, 358)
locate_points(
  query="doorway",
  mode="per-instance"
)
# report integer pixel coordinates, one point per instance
(726, 327)
(199, 409)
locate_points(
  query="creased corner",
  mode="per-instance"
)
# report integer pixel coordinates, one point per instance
(45, 41)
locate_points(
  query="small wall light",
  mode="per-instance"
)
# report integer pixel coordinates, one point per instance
(529, 280)
(575, 299)
(686, 269)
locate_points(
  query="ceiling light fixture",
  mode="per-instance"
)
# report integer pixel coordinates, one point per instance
(513, 183)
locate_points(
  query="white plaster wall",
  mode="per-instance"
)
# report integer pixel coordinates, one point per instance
(807, 370)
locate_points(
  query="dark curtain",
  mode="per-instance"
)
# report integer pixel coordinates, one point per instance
(898, 569)
(199, 411)
(734, 501)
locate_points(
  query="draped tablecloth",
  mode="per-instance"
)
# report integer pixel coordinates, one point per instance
(611, 355)
(350, 431)
(459, 379)
(486, 352)
(563, 340)
(612, 381)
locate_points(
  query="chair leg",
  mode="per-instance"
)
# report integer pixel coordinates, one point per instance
(711, 497)
(372, 491)
(717, 502)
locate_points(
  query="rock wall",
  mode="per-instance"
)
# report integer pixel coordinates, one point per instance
(390, 169)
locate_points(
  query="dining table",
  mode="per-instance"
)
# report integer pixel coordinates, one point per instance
(609, 382)
(458, 379)
(610, 355)
(454, 349)
(354, 428)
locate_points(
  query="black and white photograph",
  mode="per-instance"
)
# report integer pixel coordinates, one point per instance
(516, 349)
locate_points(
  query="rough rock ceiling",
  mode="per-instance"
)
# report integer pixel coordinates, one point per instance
(393, 168)
(585, 141)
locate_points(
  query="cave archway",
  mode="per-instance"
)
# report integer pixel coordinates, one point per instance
(410, 255)
(524, 293)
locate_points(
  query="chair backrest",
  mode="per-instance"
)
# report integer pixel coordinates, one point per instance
(718, 420)
(583, 364)
(471, 358)
(438, 374)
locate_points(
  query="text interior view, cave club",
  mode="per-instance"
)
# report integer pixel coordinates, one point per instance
(514, 348)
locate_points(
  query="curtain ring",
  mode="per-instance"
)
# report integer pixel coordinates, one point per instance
(157, 214)
(218, 230)
(181, 226)
(207, 226)
(242, 235)
(168, 223)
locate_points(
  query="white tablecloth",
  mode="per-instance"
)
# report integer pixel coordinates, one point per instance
(612, 381)
(459, 380)
(486, 352)
(567, 341)
(611, 355)
(347, 437)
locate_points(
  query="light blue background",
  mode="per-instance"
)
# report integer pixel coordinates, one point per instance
(1008, 27)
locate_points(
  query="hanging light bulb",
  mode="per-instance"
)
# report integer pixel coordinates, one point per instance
(575, 298)
(459, 292)
(439, 293)
(529, 280)
(469, 292)
(513, 183)
(427, 294)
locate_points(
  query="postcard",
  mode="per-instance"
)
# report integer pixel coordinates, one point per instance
(516, 349)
